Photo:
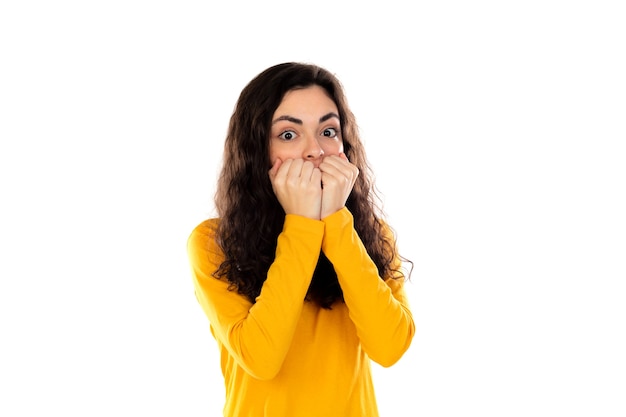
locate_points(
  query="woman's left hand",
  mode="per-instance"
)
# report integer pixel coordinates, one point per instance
(338, 178)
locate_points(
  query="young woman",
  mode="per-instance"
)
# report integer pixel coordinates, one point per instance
(299, 276)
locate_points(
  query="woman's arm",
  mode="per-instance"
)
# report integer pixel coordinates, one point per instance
(379, 309)
(258, 335)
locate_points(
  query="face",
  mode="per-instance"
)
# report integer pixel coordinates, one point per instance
(305, 126)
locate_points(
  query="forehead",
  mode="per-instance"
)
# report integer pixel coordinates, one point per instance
(313, 98)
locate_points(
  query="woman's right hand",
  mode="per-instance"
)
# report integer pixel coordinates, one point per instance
(298, 187)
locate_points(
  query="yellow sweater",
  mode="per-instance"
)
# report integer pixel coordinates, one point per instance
(282, 356)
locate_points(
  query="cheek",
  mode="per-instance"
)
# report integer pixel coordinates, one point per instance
(272, 155)
(282, 152)
(333, 148)
(276, 151)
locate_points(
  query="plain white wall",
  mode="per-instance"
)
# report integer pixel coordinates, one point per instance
(496, 130)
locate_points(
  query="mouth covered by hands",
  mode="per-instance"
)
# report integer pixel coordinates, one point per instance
(314, 192)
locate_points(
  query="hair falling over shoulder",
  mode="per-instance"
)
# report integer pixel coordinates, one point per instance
(251, 218)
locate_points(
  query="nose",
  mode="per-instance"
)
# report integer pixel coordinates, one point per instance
(313, 149)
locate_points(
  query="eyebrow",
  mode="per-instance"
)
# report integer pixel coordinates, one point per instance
(299, 122)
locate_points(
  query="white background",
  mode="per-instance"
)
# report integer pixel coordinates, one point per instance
(496, 130)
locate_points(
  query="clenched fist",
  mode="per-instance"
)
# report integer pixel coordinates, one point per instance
(338, 178)
(297, 185)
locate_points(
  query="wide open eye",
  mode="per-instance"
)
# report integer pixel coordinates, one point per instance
(330, 132)
(288, 135)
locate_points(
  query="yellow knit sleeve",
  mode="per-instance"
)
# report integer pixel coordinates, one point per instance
(379, 308)
(257, 335)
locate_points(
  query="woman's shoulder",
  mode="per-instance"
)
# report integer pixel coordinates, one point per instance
(203, 235)
(206, 227)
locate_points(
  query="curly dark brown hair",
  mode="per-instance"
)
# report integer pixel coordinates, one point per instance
(251, 218)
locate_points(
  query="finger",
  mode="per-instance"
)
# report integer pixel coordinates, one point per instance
(307, 171)
(275, 167)
(339, 169)
(283, 170)
(345, 163)
(295, 168)
(335, 165)
(337, 160)
(316, 176)
(317, 173)
(331, 169)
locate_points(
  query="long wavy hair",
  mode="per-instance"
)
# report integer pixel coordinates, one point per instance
(251, 218)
